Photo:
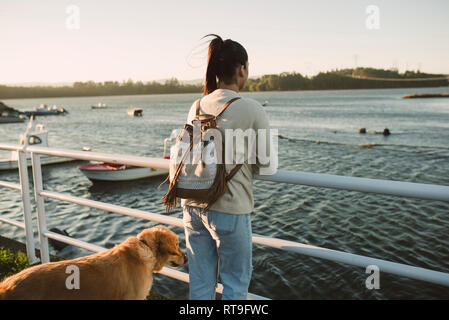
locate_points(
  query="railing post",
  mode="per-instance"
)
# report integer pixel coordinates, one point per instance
(25, 190)
(41, 223)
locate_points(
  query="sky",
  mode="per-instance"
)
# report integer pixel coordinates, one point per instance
(52, 41)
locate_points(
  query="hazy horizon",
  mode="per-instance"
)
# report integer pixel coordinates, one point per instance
(67, 41)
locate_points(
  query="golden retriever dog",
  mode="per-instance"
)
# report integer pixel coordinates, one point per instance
(122, 272)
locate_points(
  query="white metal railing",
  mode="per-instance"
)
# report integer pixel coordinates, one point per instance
(397, 188)
(24, 188)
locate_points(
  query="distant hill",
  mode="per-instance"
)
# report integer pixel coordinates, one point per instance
(360, 78)
(194, 82)
(68, 84)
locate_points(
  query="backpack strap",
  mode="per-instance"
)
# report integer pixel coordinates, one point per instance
(233, 172)
(197, 111)
(237, 167)
(227, 105)
(198, 108)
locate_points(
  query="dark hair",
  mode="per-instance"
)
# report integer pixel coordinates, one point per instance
(223, 58)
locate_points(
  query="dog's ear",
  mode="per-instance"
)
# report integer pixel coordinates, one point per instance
(139, 249)
(160, 239)
(165, 240)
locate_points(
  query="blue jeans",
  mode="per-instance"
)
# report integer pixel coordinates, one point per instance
(218, 244)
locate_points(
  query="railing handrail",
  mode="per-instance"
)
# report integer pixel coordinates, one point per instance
(397, 188)
(11, 147)
(367, 185)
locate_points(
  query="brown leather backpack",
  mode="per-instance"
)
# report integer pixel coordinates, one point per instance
(198, 180)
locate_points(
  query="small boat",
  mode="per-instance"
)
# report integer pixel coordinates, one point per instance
(45, 110)
(108, 171)
(34, 135)
(100, 106)
(10, 115)
(135, 112)
(265, 103)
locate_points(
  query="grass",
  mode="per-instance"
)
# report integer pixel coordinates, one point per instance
(11, 262)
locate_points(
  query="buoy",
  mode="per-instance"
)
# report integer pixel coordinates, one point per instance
(386, 132)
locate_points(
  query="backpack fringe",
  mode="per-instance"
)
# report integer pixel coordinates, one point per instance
(170, 200)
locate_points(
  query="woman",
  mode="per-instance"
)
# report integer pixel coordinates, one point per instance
(219, 242)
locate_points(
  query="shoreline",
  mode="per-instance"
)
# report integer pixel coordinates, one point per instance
(426, 95)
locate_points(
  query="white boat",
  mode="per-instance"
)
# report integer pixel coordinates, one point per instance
(107, 171)
(35, 134)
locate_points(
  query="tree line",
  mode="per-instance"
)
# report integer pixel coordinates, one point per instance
(286, 81)
(345, 79)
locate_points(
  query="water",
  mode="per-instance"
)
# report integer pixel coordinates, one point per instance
(397, 229)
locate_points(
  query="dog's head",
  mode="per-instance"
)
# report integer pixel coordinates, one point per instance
(164, 245)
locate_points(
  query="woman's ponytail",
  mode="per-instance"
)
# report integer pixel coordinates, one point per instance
(223, 59)
(212, 64)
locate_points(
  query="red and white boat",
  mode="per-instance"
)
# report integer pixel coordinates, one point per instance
(108, 171)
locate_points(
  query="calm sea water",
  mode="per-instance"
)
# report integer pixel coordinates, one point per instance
(408, 231)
